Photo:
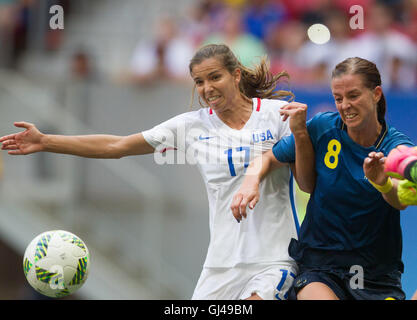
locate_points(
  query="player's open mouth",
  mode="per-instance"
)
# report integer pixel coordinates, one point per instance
(350, 116)
(213, 99)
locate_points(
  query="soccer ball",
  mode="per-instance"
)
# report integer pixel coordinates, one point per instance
(56, 263)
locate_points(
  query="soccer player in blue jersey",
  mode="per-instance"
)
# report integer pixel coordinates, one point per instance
(349, 245)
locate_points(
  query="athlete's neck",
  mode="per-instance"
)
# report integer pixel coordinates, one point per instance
(237, 114)
(366, 136)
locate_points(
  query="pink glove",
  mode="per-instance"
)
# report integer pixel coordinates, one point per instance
(398, 159)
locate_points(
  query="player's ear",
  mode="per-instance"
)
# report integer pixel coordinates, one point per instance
(237, 74)
(377, 94)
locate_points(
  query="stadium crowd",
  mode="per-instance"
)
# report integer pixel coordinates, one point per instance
(252, 28)
(16, 19)
(278, 28)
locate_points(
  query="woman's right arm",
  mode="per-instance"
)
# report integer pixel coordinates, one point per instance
(304, 168)
(90, 146)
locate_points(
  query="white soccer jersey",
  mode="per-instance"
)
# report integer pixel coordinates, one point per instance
(222, 155)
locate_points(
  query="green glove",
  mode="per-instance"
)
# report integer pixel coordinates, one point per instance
(407, 192)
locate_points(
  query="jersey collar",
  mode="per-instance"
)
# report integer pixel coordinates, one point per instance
(256, 107)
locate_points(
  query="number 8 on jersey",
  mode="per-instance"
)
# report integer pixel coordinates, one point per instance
(331, 159)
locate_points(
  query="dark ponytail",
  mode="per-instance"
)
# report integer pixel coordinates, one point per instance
(382, 108)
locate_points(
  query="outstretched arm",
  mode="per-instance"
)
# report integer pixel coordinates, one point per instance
(31, 140)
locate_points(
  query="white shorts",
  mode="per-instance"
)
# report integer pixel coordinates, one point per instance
(268, 281)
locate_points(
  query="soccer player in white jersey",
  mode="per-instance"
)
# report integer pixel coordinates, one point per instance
(246, 259)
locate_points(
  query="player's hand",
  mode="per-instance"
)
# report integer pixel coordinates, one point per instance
(398, 159)
(373, 167)
(248, 194)
(297, 112)
(25, 142)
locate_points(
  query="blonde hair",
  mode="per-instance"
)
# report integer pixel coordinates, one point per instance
(258, 82)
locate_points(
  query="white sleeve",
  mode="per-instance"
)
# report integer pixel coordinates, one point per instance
(169, 134)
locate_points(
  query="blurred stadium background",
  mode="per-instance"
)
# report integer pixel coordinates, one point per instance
(120, 67)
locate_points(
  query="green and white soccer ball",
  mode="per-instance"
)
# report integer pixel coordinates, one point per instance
(56, 263)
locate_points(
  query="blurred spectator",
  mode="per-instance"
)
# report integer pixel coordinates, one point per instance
(202, 19)
(244, 45)
(320, 59)
(392, 51)
(7, 22)
(236, 3)
(14, 28)
(287, 51)
(395, 7)
(78, 92)
(301, 10)
(214, 9)
(54, 38)
(196, 25)
(261, 16)
(81, 67)
(75, 90)
(408, 19)
(345, 5)
(317, 12)
(23, 23)
(165, 57)
(313, 11)
(21, 29)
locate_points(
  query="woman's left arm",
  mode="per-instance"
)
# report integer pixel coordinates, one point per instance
(373, 167)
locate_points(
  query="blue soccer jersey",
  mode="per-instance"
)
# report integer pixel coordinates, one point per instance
(347, 220)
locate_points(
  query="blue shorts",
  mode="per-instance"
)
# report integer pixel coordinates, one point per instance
(346, 287)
